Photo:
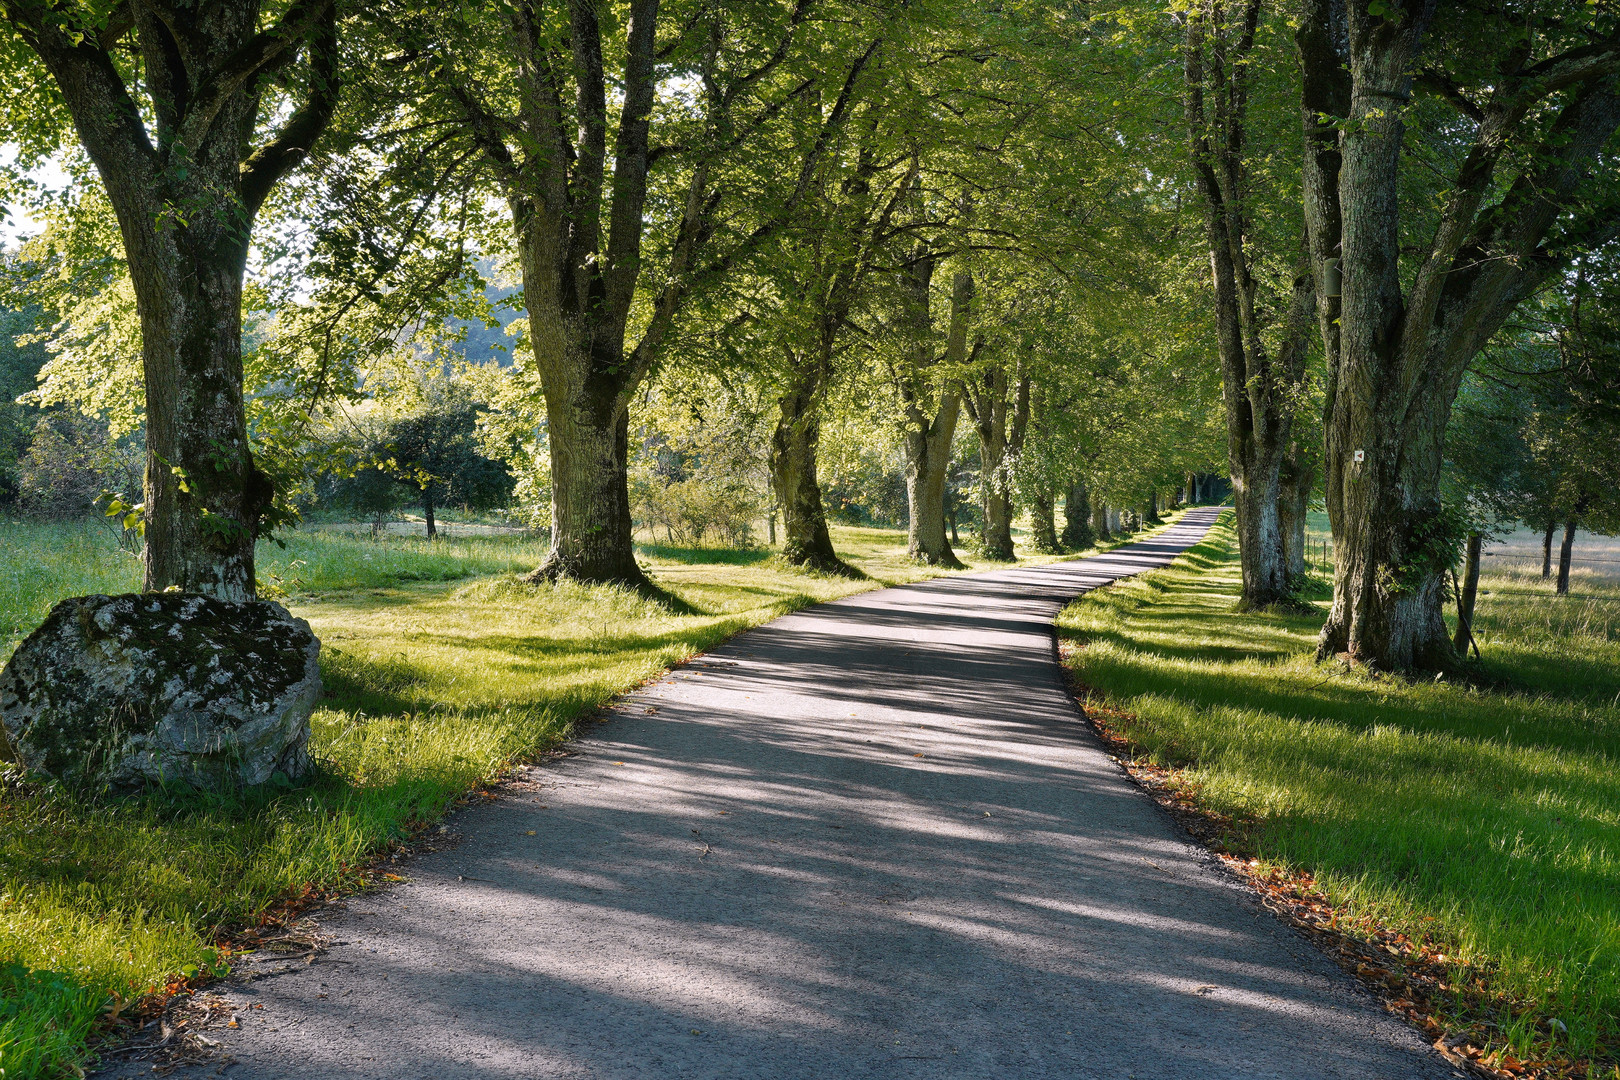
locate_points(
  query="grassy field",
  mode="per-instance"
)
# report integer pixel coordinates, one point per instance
(442, 671)
(1485, 819)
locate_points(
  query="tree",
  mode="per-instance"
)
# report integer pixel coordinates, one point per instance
(930, 391)
(997, 402)
(1263, 299)
(205, 81)
(434, 452)
(842, 226)
(19, 364)
(619, 220)
(1516, 116)
(1079, 533)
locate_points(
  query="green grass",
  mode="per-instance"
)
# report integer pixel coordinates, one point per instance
(442, 671)
(41, 563)
(1486, 819)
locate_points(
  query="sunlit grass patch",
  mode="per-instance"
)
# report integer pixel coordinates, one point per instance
(1489, 820)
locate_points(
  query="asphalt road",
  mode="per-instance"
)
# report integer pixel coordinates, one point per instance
(871, 839)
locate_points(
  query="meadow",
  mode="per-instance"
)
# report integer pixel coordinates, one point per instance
(1480, 814)
(442, 670)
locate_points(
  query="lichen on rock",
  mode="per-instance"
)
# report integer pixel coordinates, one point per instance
(172, 688)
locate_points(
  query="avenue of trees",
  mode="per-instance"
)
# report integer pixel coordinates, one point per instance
(700, 269)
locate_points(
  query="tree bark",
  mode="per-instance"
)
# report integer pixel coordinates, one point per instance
(427, 513)
(1565, 552)
(1259, 391)
(927, 461)
(1546, 549)
(805, 539)
(587, 432)
(1397, 345)
(1043, 523)
(185, 207)
(930, 404)
(1295, 483)
(1099, 522)
(998, 405)
(1469, 594)
(1078, 534)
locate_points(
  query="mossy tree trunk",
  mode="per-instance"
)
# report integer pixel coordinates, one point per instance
(805, 539)
(930, 403)
(1078, 533)
(1295, 484)
(1043, 522)
(1397, 343)
(186, 203)
(1099, 522)
(1260, 390)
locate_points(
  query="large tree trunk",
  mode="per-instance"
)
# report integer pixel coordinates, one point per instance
(1566, 551)
(588, 383)
(996, 505)
(1467, 597)
(805, 540)
(1546, 549)
(204, 495)
(186, 202)
(928, 458)
(930, 406)
(1099, 522)
(1398, 344)
(1077, 529)
(427, 513)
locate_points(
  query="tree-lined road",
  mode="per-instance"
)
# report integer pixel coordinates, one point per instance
(871, 839)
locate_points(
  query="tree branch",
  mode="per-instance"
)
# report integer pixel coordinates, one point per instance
(293, 143)
(262, 53)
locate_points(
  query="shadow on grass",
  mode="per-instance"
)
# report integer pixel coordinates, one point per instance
(700, 555)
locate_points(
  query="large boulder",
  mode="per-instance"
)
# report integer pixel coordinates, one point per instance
(171, 688)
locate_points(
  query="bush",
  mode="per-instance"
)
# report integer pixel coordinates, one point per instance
(693, 509)
(70, 461)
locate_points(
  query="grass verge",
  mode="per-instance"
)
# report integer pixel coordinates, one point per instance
(1475, 828)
